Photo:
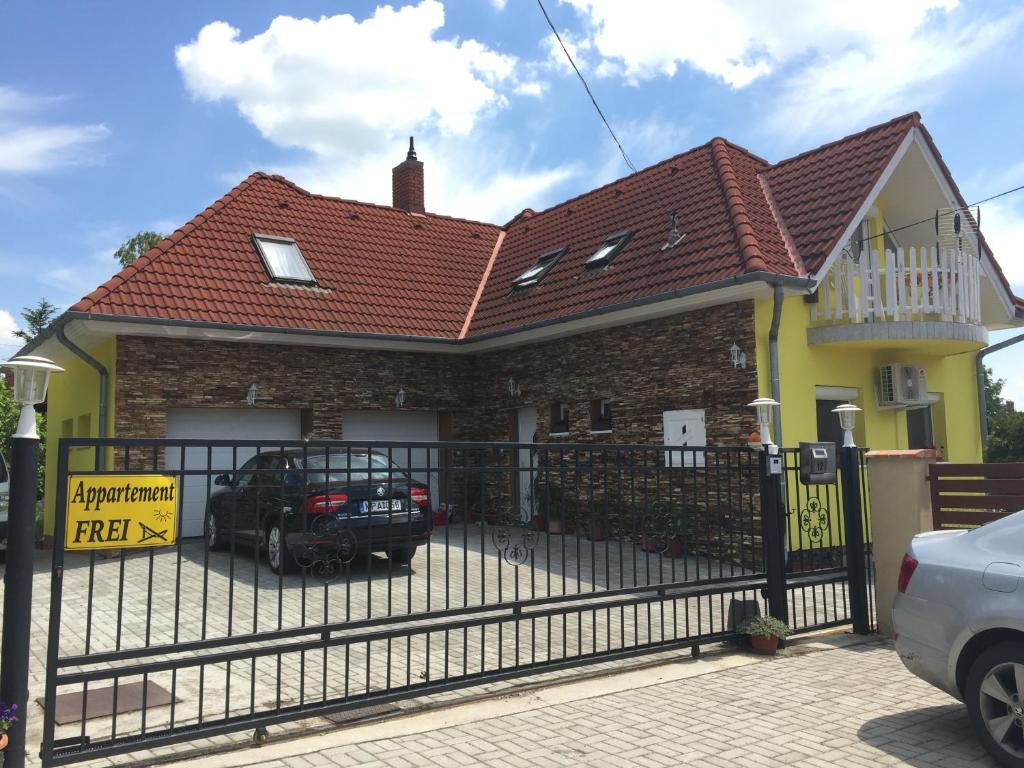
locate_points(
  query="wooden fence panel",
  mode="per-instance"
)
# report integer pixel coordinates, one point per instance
(968, 495)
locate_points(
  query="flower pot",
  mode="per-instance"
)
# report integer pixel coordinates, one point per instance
(764, 644)
(596, 530)
(537, 521)
(554, 526)
(674, 548)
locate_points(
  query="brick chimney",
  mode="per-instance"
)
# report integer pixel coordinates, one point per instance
(407, 183)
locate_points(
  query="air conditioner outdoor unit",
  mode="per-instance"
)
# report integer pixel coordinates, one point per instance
(901, 384)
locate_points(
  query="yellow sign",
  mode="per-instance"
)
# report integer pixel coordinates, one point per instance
(121, 511)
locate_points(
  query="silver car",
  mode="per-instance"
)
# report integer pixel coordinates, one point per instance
(959, 622)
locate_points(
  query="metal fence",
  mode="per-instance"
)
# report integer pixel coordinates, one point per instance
(326, 576)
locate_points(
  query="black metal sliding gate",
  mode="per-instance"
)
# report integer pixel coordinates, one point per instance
(310, 578)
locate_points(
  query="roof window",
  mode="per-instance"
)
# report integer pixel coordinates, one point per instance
(283, 259)
(608, 250)
(534, 274)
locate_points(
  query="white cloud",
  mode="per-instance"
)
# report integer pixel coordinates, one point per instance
(499, 5)
(1002, 222)
(9, 343)
(350, 91)
(531, 88)
(836, 64)
(578, 47)
(29, 146)
(38, 148)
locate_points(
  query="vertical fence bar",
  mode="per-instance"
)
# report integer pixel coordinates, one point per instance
(854, 527)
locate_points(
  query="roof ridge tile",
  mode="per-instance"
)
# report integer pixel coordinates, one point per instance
(750, 252)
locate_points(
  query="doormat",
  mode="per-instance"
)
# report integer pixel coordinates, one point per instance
(100, 703)
(347, 716)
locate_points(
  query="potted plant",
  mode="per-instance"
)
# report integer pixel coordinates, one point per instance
(550, 501)
(765, 633)
(8, 717)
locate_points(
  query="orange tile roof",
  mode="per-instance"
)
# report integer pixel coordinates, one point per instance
(381, 270)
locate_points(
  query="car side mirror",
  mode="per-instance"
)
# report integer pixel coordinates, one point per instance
(222, 480)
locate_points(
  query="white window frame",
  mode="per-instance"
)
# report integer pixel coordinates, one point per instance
(258, 241)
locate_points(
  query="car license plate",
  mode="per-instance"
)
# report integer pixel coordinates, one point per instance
(383, 505)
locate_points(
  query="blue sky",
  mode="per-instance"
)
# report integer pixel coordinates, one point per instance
(121, 116)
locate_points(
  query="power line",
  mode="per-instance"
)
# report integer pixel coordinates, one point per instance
(944, 213)
(586, 87)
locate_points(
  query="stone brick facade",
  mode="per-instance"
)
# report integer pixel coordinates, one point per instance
(677, 362)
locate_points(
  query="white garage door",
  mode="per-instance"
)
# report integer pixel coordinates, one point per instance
(220, 424)
(398, 426)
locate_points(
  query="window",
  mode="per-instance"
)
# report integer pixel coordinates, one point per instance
(534, 274)
(283, 260)
(600, 416)
(920, 432)
(246, 475)
(559, 419)
(829, 430)
(608, 250)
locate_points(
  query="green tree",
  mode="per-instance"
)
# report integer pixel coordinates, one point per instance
(1005, 425)
(9, 412)
(37, 319)
(134, 247)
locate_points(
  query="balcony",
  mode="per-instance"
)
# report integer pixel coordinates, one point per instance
(899, 298)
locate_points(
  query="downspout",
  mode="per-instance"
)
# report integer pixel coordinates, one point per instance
(773, 359)
(980, 368)
(104, 376)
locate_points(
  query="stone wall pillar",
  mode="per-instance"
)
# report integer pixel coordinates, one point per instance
(900, 508)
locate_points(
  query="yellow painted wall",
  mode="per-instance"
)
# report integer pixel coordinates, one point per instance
(73, 396)
(802, 367)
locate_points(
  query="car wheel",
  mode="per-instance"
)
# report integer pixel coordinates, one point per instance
(278, 554)
(402, 555)
(995, 701)
(214, 541)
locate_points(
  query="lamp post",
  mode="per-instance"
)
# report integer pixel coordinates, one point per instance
(764, 406)
(847, 414)
(31, 375)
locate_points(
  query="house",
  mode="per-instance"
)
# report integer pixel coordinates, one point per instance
(650, 310)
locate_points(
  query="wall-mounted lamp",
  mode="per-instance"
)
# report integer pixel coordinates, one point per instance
(31, 377)
(764, 407)
(252, 394)
(400, 398)
(515, 389)
(847, 414)
(737, 356)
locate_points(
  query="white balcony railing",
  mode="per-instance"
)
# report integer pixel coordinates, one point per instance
(906, 284)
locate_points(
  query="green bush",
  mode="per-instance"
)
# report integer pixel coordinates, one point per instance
(765, 626)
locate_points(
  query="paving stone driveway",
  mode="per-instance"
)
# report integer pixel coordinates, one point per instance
(853, 706)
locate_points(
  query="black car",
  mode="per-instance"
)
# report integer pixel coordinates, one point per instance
(319, 508)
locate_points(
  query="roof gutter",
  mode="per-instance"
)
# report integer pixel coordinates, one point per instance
(104, 377)
(979, 365)
(800, 283)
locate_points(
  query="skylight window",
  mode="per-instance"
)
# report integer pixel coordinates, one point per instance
(534, 274)
(283, 260)
(608, 250)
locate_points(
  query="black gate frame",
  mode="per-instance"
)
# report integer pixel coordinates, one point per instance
(778, 589)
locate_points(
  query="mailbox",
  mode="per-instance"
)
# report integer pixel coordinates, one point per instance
(817, 463)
